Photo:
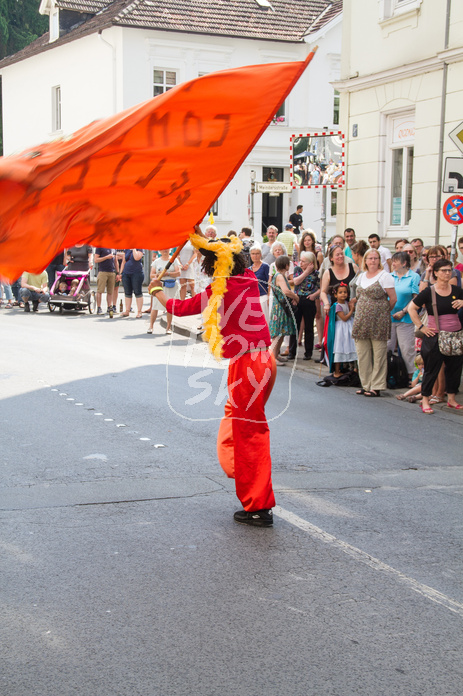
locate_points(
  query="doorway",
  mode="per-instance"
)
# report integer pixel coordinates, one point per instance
(272, 203)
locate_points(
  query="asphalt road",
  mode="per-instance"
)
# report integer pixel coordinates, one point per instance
(123, 574)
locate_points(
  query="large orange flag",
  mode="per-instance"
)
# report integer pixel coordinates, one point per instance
(143, 177)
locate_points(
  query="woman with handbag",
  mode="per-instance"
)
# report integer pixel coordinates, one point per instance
(169, 283)
(376, 297)
(443, 336)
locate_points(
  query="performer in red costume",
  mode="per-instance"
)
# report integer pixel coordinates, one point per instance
(239, 332)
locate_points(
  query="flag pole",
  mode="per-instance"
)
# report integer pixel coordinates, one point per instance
(176, 253)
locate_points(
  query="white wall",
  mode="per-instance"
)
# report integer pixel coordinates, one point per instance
(101, 75)
(391, 67)
(83, 68)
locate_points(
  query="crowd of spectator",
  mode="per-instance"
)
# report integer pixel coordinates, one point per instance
(362, 301)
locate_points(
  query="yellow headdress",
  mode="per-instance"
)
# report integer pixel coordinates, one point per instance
(224, 251)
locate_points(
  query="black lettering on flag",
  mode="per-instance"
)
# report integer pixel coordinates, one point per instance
(155, 121)
(226, 128)
(79, 185)
(144, 181)
(181, 199)
(176, 185)
(116, 173)
(191, 122)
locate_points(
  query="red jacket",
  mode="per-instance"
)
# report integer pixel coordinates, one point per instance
(242, 323)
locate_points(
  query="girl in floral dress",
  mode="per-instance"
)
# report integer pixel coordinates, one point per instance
(282, 322)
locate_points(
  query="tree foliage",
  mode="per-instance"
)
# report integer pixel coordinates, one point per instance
(20, 24)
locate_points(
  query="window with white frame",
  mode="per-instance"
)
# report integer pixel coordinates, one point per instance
(54, 25)
(400, 169)
(394, 8)
(56, 108)
(336, 100)
(163, 80)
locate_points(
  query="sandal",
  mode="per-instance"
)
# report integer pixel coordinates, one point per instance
(138, 316)
(280, 364)
(150, 331)
(360, 392)
(401, 397)
(372, 392)
(436, 400)
(125, 314)
(426, 410)
(413, 399)
(457, 406)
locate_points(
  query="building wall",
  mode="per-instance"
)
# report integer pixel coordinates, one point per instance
(86, 93)
(104, 74)
(403, 75)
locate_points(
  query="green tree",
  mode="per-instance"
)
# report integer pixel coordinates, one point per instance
(20, 24)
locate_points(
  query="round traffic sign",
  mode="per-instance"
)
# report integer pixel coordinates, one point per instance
(453, 210)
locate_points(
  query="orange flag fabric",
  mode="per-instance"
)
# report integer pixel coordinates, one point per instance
(142, 178)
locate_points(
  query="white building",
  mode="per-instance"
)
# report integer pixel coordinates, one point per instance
(401, 95)
(101, 57)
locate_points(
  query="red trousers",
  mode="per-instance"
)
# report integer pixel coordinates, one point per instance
(243, 442)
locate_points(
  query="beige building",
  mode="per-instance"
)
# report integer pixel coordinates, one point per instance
(401, 95)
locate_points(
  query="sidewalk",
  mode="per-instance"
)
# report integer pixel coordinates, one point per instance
(188, 327)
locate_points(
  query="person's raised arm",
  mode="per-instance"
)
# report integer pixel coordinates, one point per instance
(298, 280)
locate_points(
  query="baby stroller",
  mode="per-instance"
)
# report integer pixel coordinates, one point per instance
(78, 296)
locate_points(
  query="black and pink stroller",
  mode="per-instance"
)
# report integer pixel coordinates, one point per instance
(77, 295)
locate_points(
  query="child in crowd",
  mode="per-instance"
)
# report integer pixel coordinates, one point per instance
(414, 394)
(62, 288)
(73, 288)
(344, 345)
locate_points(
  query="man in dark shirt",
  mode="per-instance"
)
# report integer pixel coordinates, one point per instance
(106, 278)
(296, 219)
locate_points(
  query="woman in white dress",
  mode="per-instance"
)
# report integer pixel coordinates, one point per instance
(186, 257)
(169, 281)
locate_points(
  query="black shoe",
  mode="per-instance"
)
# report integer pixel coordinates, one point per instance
(307, 357)
(257, 518)
(27, 307)
(35, 305)
(291, 357)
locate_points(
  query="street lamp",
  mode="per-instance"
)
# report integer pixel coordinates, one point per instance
(253, 190)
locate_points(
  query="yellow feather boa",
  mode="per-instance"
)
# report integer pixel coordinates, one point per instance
(222, 270)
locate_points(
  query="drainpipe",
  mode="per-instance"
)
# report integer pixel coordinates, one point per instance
(113, 49)
(442, 126)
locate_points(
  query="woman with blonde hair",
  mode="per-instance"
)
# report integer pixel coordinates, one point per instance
(307, 288)
(371, 331)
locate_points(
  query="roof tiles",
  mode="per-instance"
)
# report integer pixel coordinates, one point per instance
(285, 20)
